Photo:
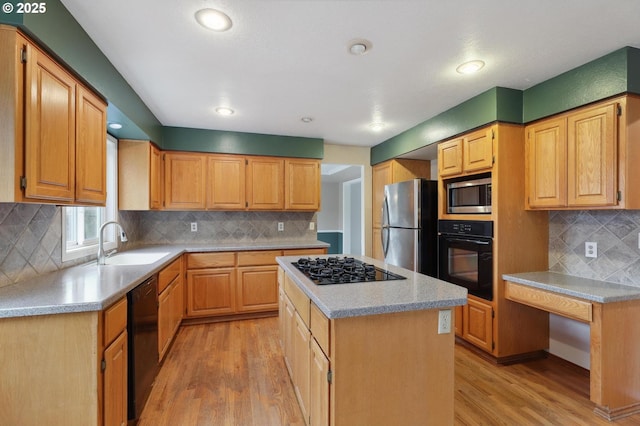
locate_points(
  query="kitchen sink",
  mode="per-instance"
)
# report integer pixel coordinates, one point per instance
(135, 258)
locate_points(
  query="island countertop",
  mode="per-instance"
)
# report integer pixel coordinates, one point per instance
(90, 287)
(416, 292)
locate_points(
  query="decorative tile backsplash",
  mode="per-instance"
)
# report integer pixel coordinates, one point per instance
(615, 232)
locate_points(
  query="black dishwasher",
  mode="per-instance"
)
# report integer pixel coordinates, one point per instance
(142, 329)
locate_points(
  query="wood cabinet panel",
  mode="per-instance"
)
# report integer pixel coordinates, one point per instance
(258, 257)
(304, 252)
(115, 320)
(265, 183)
(91, 148)
(211, 292)
(226, 182)
(302, 184)
(301, 364)
(478, 150)
(168, 274)
(478, 324)
(50, 124)
(257, 288)
(140, 175)
(319, 326)
(381, 176)
(115, 382)
(552, 302)
(318, 386)
(155, 178)
(300, 300)
(165, 309)
(289, 329)
(210, 260)
(450, 158)
(184, 179)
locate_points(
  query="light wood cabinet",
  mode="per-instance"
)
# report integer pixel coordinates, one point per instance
(391, 171)
(469, 154)
(226, 182)
(318, 385)
(301, 364)
(302, 184)
(170, 305)
(582, 159)
(115, 364)
(140, 175)
(211, 291)
(265, 183)
(478, 323)
(257, 288)
(54, 129)
(184, 181)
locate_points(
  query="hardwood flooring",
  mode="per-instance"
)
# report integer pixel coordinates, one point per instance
(232, 373)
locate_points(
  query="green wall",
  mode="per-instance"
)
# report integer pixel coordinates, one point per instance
(185, 139)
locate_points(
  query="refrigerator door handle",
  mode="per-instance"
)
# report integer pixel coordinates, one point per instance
(384, 237)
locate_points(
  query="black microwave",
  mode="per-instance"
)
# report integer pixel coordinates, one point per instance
(469, 196)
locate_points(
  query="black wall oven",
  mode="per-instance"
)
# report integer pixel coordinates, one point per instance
(465, 255)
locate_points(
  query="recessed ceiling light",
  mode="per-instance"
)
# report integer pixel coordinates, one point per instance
(115, 126)
(224, 111)
(213, 19)
(470, 67)
(359, 47)
(376, 126)
(306, 119)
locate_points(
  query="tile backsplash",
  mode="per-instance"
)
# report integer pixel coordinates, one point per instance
(615, 232)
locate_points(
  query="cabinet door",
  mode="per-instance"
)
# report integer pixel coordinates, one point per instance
(265, 183)
(477, 151)
(302, 185)
(211, 292)
(156, 172)
(257, 289)
(91, 148)
(318, 386)
(592, 157)
(546, 163)
(178, 304)
(226, 182)
(164, 321)
(50, 120)
(184, 181)
(289, 328)
(115, 382)
(458, 315)
(450, 158)
(378, 252)
(301, 357)
(281, 315)
(478, 324)
(381, 176)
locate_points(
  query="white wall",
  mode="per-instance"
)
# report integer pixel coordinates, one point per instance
(330, 215)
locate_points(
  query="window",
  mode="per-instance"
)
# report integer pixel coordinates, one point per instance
(80, 225)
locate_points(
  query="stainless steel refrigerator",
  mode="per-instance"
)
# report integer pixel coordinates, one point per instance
(410, 225)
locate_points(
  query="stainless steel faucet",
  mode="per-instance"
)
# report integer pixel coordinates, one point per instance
(123, 237)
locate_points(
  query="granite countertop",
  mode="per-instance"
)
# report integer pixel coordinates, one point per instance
(417, 292)
(583, 288)
(90, 287)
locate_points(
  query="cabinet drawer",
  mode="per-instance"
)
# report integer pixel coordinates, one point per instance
(168, 274)
(319, 328)
(210, 260)
(555, 303)
(300, 300)
(115, 320)
(257, 258)
(305, 252)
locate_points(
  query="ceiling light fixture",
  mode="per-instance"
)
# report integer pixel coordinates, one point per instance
(359, 47)
(213, 19)
(306, 119)
(224, 111)
(470, 67)
(115, 126)
(376, 126)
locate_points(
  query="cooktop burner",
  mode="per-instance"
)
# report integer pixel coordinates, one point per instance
(342, 270)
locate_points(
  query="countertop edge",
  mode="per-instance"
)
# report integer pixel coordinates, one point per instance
(552, 284)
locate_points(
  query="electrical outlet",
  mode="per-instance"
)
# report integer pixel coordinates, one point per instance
(312, 226)
(444, 321)
(591, 249)
(280, 226)
(194, 226)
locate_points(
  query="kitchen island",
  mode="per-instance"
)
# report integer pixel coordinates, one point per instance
(369, 353)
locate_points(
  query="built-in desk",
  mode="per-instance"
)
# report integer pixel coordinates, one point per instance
(613, 313)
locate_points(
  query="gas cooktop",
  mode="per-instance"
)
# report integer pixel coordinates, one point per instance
(342, 270)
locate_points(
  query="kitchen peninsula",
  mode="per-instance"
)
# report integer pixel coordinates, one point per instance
(369, 352)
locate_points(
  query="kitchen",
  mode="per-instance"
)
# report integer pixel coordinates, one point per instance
(563, 260)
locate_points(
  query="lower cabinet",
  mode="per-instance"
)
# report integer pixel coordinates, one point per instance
(318, 385)
(170, 305)
(477, 320)
(114, 364)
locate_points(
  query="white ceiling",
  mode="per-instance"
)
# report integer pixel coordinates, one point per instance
(287, 59)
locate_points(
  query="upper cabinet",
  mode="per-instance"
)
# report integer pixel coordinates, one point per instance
(226, 182)
(54, 129)
(472, 153)
(140, 172)
(184, 181)
(265, 183)
(583, 159)
(302, 184)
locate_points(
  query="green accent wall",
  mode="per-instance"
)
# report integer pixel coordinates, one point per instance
(497, 104)
(12, 18)
(187, 139)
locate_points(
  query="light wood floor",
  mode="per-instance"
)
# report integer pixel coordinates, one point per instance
(232, 373)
